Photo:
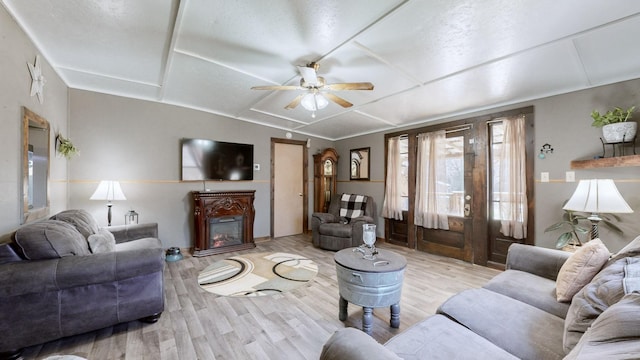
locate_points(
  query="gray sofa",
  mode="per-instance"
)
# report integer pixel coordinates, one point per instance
(331, 232)
(65, 276)
(516, 316)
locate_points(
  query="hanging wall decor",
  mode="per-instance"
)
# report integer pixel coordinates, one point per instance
(545, 149)
(37, 79)
(65, 147)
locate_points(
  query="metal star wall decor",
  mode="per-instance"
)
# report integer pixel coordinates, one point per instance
(37, 79)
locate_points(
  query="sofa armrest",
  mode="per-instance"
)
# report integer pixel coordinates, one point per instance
(536, 260)
(39, 276)
(353, 344)
(124, 233)
(324, 217)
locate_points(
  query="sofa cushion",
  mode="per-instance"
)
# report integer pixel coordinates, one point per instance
(352, 206)
(8, 254)
(81, 219)
(102, 241)
(438, 337)
(614, 334)
(521, 329)
(336, 229)
(529, 288)
(50, 239)
(353, 344)
(580, 268)
(604, 290)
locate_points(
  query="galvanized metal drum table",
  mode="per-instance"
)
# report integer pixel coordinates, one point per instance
(370, 283)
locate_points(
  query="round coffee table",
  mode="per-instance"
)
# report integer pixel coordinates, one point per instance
(370, 284)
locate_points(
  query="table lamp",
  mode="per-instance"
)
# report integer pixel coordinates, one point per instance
(597, 196)
(108, 190)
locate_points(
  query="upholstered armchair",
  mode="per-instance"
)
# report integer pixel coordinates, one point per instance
(331, 231)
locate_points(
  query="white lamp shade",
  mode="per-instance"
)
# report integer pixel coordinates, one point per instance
(314, 101)
(108, 190)
(597, 196)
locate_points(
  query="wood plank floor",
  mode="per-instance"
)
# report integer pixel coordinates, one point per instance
(294, 325)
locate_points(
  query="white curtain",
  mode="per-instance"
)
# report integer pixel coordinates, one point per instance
(431, 181)
(392, 205)
(512, 184)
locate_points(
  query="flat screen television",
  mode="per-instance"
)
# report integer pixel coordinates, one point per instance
(216, 160)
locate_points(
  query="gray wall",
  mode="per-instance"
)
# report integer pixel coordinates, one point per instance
(138, 143)
(562, 121)
(16, 50)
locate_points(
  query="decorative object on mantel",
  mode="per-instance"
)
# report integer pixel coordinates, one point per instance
(544, 150)
(37, 79)
(601, 198)
(108, 190)
(65, 147)
(615, 125)
(257, 274)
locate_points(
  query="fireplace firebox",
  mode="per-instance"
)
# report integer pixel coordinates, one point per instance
(223, 221)
(225, 231)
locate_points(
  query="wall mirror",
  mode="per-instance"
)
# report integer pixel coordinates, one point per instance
(360, 164)
(35, 166)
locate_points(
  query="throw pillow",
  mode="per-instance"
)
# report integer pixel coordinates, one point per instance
(606, 289)
(102, 241)
(352, 206)
(580, 268)
(614, 334)
(50, 239)
(632, 249)
(81, 219)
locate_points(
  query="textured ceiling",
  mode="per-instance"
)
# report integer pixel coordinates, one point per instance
(428, 59)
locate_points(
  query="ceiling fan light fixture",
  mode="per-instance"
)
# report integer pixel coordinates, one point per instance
(314, 101)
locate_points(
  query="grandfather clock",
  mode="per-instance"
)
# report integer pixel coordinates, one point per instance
(325, 173)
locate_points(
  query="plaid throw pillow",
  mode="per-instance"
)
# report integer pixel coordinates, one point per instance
(352, 206)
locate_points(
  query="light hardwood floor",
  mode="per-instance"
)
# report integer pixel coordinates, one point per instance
(293, 325)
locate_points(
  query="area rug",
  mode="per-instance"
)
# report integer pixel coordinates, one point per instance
(257, 274)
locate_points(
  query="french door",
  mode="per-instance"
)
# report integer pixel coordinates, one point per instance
(457, 242)
(473, 234)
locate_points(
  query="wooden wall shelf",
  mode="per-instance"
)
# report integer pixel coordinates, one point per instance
(618, 161)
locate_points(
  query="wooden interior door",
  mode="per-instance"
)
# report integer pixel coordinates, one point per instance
(289, 199)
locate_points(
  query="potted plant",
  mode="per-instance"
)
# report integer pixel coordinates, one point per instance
(66, 147)
(574, 223)
(615, 125)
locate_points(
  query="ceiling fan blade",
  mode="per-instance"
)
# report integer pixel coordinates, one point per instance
(338, 100)
(350, 86)
(295, 102)
(277, 87)
(309, 75)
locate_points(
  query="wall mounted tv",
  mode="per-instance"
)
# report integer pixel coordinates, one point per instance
(216, 160)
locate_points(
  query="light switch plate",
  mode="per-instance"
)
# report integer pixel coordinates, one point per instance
(570, 176)
(544, 176)
(256, 167)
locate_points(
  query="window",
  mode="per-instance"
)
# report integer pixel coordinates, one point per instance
(454, 187)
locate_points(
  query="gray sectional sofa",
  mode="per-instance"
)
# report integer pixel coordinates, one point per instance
(65, 276)
(516, 316)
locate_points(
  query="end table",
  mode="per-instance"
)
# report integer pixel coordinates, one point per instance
(370, 283)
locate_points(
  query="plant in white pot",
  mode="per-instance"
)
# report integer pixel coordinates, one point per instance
(615, 125)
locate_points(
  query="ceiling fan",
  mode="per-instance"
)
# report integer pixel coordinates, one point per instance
(317, 91)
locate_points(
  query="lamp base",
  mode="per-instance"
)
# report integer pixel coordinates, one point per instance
(109, 214)
(594, 218)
